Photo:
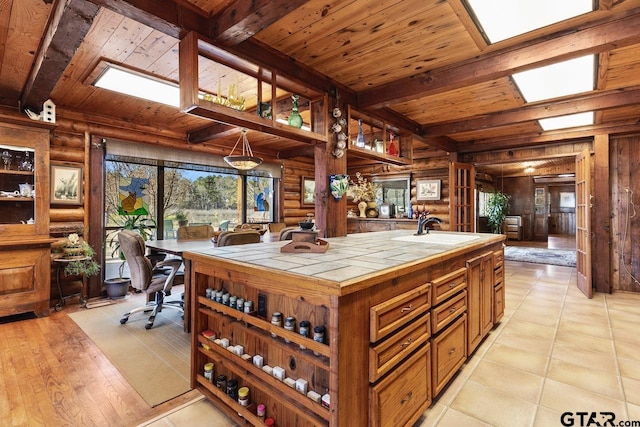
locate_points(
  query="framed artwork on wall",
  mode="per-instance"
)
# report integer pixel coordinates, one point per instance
(428, 189)
(567, 200)
(307, 191)
(66, 184)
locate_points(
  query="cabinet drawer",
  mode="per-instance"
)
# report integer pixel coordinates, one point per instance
(391, 315)
(498, 302)
(402, 397)
(498, 258)
(449, 353)
(387, 354)
(498, 274)
(445, 286)
(446, 312)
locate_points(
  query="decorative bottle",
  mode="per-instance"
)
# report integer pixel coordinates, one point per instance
(360, 137)
(295, 119)
(392, 150)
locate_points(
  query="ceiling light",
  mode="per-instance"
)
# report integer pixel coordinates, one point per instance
(245, 161)
(519, 17)
(136, 84)
(562, 122)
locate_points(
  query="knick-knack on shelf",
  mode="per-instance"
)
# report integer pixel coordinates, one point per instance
(360, 137)
(295, 119)
(392, 150)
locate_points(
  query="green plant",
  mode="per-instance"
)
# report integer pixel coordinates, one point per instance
(497, 209)
(81, 256)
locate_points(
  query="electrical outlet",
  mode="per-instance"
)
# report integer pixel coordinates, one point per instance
(262, 305)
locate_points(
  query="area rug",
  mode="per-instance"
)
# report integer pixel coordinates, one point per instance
(541, 255)
(155, 362)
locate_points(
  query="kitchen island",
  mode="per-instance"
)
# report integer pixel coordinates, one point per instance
(394, 317)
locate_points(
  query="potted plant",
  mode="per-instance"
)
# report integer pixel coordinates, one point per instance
(80, 254)
(497, 209)
(182, 219)
(117, 287)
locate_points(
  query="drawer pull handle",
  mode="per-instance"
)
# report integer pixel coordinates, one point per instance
(453, 350)
(406, 343)
(407, 308)
(406, 399)
(451, 285)
(452, 310)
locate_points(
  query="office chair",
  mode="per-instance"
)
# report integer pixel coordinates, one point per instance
(229, 238)
(147, 279)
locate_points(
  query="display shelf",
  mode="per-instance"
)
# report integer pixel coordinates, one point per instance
(377, 139)
(241, 368)
(252, 319)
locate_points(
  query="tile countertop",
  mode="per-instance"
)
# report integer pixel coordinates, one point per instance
(355, 256)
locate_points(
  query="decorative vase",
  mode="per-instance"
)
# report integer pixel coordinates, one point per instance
(338, 184)
(362, 207)
(295, 119)
(360, 137)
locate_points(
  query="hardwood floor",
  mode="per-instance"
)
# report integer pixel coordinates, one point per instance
(53, 375)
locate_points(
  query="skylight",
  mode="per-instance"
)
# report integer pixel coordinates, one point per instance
(572, 120)
(556, 80)
(139, 85)
(503, 19)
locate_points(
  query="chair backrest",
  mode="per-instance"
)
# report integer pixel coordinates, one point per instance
(134, 249)
(285, 233)
(229, 238)
(275, 227)
(224, 225)
(169, 232)
(193, 232)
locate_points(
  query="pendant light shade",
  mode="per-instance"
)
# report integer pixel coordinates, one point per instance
(245, 161)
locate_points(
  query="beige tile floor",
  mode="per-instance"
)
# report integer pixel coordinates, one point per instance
(554, 351)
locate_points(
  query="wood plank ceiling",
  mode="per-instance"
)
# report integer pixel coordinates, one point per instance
(423, 62)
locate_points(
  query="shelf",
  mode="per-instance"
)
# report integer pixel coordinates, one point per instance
(241, 367)
(267, 327)
(15, 172)
(363, 153)
(16, 199)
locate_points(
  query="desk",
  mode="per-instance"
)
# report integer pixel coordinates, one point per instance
(177, 248)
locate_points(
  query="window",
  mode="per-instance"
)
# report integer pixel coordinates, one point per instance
(394, 191)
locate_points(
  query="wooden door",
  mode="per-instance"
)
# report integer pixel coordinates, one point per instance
(583, 226)
(462, 184)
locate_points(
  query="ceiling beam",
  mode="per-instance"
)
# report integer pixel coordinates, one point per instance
(70, 21)
(243, 19)
(540, 110)
(562, 135)
(208, 133)
(615, 31)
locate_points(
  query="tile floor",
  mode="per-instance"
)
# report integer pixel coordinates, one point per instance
(554, 351)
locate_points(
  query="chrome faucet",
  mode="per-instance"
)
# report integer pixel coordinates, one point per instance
(423, 222)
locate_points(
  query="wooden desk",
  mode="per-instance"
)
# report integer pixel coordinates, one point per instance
(177, 248)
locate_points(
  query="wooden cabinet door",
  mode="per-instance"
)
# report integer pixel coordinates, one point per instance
(480, 298)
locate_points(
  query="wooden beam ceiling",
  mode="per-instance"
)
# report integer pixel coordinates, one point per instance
(70, 22)
(617, 30)
(540, 110)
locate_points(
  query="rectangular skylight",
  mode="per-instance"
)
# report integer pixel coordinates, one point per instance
(503, 19)
(556, 80)
(572, 120)
(136, 84)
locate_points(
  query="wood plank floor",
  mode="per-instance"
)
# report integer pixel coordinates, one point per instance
(555, 241)
(53, 375)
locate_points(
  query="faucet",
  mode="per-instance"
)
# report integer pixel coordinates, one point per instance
(423, 222)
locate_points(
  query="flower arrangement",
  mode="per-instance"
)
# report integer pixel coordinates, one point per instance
(362, 190)
(81, 255)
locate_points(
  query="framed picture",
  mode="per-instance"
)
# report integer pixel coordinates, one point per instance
(428, 189)
(66, 184)
(308, 191)
(567, 200)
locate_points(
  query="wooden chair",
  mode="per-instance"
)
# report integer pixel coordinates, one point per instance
(275, 227)
(193, 232)
(229, 238)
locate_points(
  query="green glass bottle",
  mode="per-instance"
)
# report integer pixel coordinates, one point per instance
(295, 119)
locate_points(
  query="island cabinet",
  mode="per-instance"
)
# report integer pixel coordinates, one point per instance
(24, 219)
(394, 315)
(481, 290)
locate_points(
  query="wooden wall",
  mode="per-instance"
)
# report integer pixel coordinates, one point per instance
(562, 220)
(624, 173)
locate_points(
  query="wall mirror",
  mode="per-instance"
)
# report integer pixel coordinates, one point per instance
(394, 190)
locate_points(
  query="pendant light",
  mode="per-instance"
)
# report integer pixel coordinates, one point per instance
(245, 161)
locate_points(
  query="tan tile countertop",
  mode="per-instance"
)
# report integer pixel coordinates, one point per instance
(354, 255)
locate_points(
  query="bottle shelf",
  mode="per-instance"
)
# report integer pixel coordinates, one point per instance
(264, 381)
(267, 327)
